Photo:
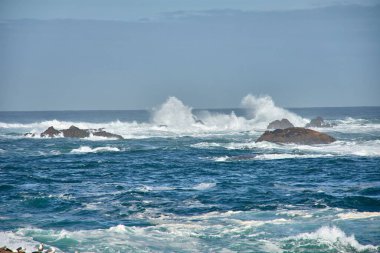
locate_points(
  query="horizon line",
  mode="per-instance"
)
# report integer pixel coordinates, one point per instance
(220, 108)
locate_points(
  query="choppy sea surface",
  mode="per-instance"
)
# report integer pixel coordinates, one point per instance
(188, 180)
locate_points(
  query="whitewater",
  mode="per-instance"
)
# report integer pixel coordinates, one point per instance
(191, 180)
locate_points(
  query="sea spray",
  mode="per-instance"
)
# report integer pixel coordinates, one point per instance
(174, 113)
(263, 110)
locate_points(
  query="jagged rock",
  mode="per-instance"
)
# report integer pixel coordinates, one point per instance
(29, 134)
(296, 135)
(75, 132)
(318, 122)
(50, 132)
(280, 124)
(107, 134)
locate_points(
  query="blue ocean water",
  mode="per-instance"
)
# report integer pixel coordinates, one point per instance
(188, 180)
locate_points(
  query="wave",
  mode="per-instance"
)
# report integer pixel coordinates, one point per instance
(169, 232)
(263, 110)
(199, 187)
(328, 238)
(358, 215)
(15, 240)
(173, 117)
(204, 186)
(281, 151)
(87, 149)
(268, 157)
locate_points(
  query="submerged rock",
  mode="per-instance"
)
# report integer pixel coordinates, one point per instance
(318, 122)
(296, 135)
(50, 132)
(280, 124)
(29, 134)
(75, 132)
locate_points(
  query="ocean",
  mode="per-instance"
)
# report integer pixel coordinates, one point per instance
(190, 180)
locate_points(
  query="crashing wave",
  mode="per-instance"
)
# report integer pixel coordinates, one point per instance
(328, 238)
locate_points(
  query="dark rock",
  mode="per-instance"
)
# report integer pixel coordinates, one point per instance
(5, 250)
(296, 135)
(50, 132)
(30, 135)
(199, 122)
(75, 132)
(280, 124)
(107, 134)
(318, 122)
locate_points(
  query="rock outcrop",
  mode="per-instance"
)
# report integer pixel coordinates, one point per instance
(103, 133)
(50, 132)
(296, 135)
(75, 132)
(318, 122)
(280, 124)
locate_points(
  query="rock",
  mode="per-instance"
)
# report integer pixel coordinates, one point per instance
(296, 135)
(5, 250)
(107, 134)
(30, 135)
(75, 132)
(50, 132)
(280, 124)
(318, 122)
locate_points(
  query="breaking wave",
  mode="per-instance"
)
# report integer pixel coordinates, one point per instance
(87, 149)
(173, 117)
(328, 238)
(263, 110)
(283, 151)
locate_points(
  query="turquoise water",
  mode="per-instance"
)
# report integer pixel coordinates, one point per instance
(177, 185)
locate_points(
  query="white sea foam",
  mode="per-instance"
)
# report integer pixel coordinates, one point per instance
(174, 118)
(204, 186)
(147, 188)
(357, 148)
(338, 148)
(358, 215)
(263, 110)
(172, 233)
(15, 240)
(268, 157)
(173, 113)
(333, 237)
(87, 149)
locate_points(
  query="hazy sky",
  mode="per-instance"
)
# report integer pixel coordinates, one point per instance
(67, 55)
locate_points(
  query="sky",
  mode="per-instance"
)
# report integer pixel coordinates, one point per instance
(93, 54)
